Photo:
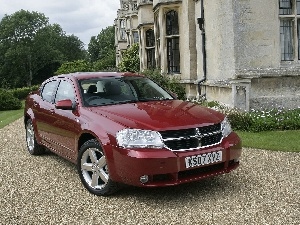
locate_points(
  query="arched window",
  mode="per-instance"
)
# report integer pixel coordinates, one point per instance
(172, 39)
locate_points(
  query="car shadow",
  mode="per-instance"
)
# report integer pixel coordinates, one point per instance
(204, 190)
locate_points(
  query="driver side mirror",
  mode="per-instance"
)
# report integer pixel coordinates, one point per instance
(65, 104)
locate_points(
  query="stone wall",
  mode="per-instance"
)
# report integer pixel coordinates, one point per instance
(274, 92)
(219, 39)
(256, 34)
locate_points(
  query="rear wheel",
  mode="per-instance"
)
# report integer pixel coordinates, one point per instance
(32, 146)
(93, 169)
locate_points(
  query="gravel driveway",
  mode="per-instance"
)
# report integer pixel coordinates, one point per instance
(47, 190)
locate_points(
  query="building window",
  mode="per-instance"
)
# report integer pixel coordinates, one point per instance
(135, 36)
(122, 30)
(289, 14)
(157, 38)
(172, 39)
(150, 49)
(172, 23)
(173, 55)
(134, 6)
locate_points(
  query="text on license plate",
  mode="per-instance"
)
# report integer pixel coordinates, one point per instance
(203, 159)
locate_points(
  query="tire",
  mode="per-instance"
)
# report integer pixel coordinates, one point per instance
(32, 146)
(93, 169)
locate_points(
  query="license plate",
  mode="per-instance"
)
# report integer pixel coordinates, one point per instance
(203, 159)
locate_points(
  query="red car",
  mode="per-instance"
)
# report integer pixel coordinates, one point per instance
(123, 128)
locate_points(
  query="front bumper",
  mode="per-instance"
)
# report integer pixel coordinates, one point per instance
(166, 168)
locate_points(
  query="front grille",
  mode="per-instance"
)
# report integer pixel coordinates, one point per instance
(186, 139)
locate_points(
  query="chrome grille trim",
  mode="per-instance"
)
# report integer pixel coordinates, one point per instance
(192, 139)
(194, 136)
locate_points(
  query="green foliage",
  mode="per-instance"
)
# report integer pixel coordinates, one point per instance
(8, 101)
(275, 119)
(102, 47)
(169, 83)
(21, 93)
(130, 59)
(101, 52)
(31, 49)
(105, 64)
(260, 120)
(75, 66)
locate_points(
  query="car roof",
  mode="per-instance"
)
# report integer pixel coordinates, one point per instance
(88, 75)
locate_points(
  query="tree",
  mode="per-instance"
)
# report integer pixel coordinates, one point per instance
(75, 66)
(72, 48)
(101, 49)
(30, 45)
(130, 59)
(17, 33)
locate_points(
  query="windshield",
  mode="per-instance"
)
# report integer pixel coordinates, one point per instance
(116, 90)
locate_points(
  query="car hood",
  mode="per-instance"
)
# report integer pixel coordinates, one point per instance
(160, 115)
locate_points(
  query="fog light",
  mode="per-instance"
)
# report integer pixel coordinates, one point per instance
(144, 179)
(236, 160)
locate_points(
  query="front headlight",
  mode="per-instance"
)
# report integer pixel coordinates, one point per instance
(225, 127)
(135, 138)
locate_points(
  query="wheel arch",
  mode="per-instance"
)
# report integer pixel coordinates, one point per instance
(26, 118)
(28, 115)
(84, 137)
(104, 144)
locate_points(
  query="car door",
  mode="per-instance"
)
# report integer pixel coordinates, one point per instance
(44, 112)
(66, 127)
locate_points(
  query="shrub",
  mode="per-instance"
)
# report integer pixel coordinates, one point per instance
(21, 93)
(74, 66)
(275, 119)
(130, 59)
(259, 120)
(8, 101)
(170, 84)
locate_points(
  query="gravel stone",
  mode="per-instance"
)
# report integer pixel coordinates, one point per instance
(46, 189)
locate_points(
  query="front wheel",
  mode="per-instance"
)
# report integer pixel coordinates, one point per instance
(93, 169)
(32, 146)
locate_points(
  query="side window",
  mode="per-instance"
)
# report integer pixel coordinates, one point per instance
(48, 91)
(65, 91)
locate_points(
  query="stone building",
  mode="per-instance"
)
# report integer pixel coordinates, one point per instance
(243, 53)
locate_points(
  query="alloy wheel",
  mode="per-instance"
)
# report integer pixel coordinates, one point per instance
(94, 168)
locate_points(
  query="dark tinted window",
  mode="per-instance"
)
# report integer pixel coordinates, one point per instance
(48, 91)
(112, 90)
(172, 26)
(65, 91)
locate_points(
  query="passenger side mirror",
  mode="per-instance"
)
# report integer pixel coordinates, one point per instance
(65, 104)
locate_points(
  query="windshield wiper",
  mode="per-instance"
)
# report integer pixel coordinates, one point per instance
(128, 101)
(153, 99)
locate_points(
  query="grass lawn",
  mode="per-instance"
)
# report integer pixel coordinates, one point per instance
(288, 140)
(7, 117)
